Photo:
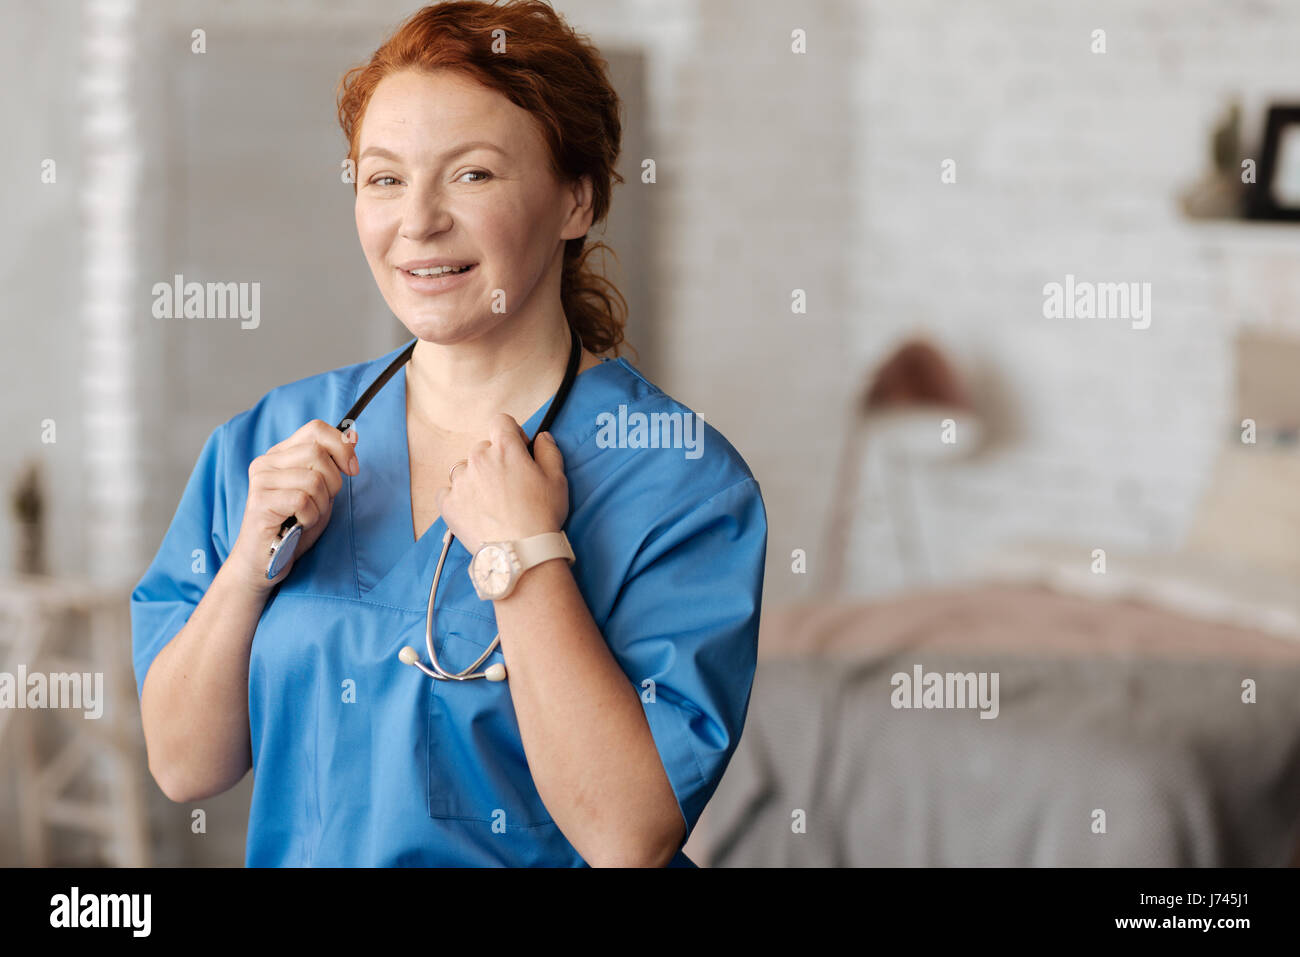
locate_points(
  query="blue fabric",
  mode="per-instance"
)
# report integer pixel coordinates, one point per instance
(670, 553)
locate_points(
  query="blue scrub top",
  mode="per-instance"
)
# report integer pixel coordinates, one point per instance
(360, 760)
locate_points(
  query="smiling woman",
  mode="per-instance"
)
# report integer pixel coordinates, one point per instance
(568, 125)
(454, 178)
(484, 138)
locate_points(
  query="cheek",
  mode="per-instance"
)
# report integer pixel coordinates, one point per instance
(373, 230)
(513, 236)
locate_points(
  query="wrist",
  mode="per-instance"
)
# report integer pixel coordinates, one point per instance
(234, 578)
(498, 567)
(243, 571)
(543, 576)
(519, 532)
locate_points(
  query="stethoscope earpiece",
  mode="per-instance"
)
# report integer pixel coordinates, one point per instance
(494, 672)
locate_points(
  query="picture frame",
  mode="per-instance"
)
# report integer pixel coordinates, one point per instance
(1276, 194)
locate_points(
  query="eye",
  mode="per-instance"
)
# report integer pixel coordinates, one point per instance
(476, 172)
(377, 180)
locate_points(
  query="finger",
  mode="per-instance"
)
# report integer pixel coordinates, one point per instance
(307, 480)
(301, 457)
(479, 453)
(284, 502)
(327, 465)
(505, 432)
(313, 454)
(329, 459)
(338, 447)
(303, 434)
(548, 455)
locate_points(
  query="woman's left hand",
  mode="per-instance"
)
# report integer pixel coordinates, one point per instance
(503, 494)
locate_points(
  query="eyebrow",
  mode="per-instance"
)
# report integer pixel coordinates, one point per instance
(449, 154)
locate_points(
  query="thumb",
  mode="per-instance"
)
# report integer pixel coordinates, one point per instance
(548, 456)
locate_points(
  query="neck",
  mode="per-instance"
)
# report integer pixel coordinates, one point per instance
(457, 389)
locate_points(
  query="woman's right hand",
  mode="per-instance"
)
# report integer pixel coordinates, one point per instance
(300, 476)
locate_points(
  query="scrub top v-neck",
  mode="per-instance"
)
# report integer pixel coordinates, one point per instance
(385, 535)
(360, 760)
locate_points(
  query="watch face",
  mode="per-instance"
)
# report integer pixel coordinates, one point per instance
(492, 570)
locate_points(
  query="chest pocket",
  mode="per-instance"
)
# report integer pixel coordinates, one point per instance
(477, 769)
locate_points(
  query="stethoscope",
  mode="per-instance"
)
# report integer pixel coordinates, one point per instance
(283, 548)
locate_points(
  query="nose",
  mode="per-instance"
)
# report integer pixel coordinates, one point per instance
(424, 213)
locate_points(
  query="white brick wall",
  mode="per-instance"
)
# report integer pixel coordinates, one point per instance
(820, 171)
(1068, 162)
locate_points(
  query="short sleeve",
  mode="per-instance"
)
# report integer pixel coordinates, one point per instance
(686, 619)
(191, 552)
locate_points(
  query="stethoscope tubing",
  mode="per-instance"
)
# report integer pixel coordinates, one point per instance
(284, 547)
(467, 673)
(291, 530)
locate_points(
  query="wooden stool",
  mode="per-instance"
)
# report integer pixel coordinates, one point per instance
(59, 626)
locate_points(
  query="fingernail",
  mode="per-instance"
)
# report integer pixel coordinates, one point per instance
(354, 466)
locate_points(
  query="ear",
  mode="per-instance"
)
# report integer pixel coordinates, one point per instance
(580, 212)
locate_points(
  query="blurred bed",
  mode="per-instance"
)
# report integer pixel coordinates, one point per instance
(1148, 716)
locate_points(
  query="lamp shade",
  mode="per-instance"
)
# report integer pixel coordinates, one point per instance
(908, 399)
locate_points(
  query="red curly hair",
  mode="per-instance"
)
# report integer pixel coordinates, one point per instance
(553, 73)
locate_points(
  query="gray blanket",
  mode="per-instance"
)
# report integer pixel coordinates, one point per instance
(1106, 750)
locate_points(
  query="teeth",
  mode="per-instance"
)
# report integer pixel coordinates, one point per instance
(437, 270)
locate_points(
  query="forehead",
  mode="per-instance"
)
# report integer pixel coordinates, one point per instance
(426, 112)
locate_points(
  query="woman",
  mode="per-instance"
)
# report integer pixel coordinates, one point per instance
(484, 140)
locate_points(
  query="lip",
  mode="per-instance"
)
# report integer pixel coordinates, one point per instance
(435, 284)
(430, 263)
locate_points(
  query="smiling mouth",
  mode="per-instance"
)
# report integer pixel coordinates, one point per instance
(437, 273)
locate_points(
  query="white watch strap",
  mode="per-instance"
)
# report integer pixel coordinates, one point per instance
(542, 548)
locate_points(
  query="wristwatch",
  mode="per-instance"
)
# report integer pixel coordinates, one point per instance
(496, 567)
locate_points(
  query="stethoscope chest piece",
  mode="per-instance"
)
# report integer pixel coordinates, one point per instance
(282, 551)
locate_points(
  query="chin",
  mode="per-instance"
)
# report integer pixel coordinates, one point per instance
(431, 326)
(434, 328)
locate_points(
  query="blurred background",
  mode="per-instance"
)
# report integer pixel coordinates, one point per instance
(844, 263)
